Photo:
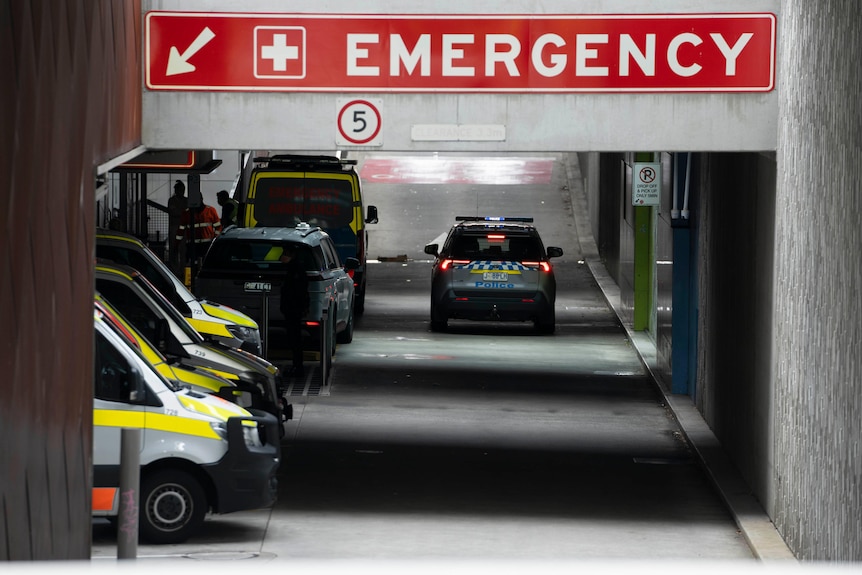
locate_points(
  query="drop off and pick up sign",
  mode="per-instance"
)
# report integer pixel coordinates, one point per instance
(460, 53)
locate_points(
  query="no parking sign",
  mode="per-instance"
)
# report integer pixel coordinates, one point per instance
(647, 184)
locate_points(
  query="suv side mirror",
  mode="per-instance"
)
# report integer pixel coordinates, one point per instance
(351, 263)
(554, 252)
(371, 217)
(431, 250)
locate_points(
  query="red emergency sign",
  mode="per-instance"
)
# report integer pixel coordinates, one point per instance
(460, 53)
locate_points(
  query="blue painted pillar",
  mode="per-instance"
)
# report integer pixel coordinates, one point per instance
(684, 314)
(682, 339)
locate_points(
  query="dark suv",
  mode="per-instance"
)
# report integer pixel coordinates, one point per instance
(242, 269)
(493, 268)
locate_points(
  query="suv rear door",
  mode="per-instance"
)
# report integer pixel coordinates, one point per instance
(247, 274)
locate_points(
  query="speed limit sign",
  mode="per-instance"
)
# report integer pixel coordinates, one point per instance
(359, 123)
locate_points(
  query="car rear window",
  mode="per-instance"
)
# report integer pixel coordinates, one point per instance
(496, 246)
(258, 255)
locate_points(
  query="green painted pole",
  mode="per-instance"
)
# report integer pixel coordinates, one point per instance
(642, 264)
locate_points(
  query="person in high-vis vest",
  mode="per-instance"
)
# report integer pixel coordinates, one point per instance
(199, 226)
(229, 209)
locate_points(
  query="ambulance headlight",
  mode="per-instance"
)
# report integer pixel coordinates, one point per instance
(251, 436)
(243, 332)
(249, 335)
(220, 427)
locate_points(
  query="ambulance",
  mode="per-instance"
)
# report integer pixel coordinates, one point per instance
(199, 453)
(212, 320)
(184, 375)
(324, 191)
(144, 307)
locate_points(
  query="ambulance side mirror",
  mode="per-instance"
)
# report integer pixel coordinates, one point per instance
(165, 340)
(351, 263)
(137, 387)
(371, 217)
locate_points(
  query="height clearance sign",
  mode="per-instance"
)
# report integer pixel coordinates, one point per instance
(460, 53)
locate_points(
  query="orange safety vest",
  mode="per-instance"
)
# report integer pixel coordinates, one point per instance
(207, 225)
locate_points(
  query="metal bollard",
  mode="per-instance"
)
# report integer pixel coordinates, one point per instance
(130, 480)
(325, 353)
(264, 323)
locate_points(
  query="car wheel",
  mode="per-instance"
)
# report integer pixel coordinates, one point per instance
(346, 336)
(173, 506)
(359, 303)
(546, 324)
(437, 324)
(546, 328)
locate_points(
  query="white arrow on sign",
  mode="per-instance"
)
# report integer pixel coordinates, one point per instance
(179, 63)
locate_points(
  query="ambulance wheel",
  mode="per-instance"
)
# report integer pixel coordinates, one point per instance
(173, 506)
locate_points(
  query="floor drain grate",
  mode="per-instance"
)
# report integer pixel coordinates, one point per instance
(310, 384)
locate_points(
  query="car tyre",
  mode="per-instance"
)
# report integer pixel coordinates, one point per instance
(173, 506)
(360, 301)
(546, 328)
(346, 336)
(547, 324)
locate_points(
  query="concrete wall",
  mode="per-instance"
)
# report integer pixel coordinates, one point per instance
(818, 274)
(734, 389)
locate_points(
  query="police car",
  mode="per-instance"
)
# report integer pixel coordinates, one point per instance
(493, 268)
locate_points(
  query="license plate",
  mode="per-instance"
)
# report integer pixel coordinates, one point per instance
(495, 276)
(258, 286)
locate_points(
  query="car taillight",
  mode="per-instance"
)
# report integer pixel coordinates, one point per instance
(447, 263)
(546, 266)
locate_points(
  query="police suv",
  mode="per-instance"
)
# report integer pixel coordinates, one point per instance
(493, 268)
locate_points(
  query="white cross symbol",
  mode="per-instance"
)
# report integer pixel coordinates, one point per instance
(279, 52)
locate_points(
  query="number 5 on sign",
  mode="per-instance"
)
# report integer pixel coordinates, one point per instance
(359, 122)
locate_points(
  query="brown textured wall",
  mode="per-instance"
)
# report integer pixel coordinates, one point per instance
(70, 100)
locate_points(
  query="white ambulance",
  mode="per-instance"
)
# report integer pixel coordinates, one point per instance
(199, 453)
